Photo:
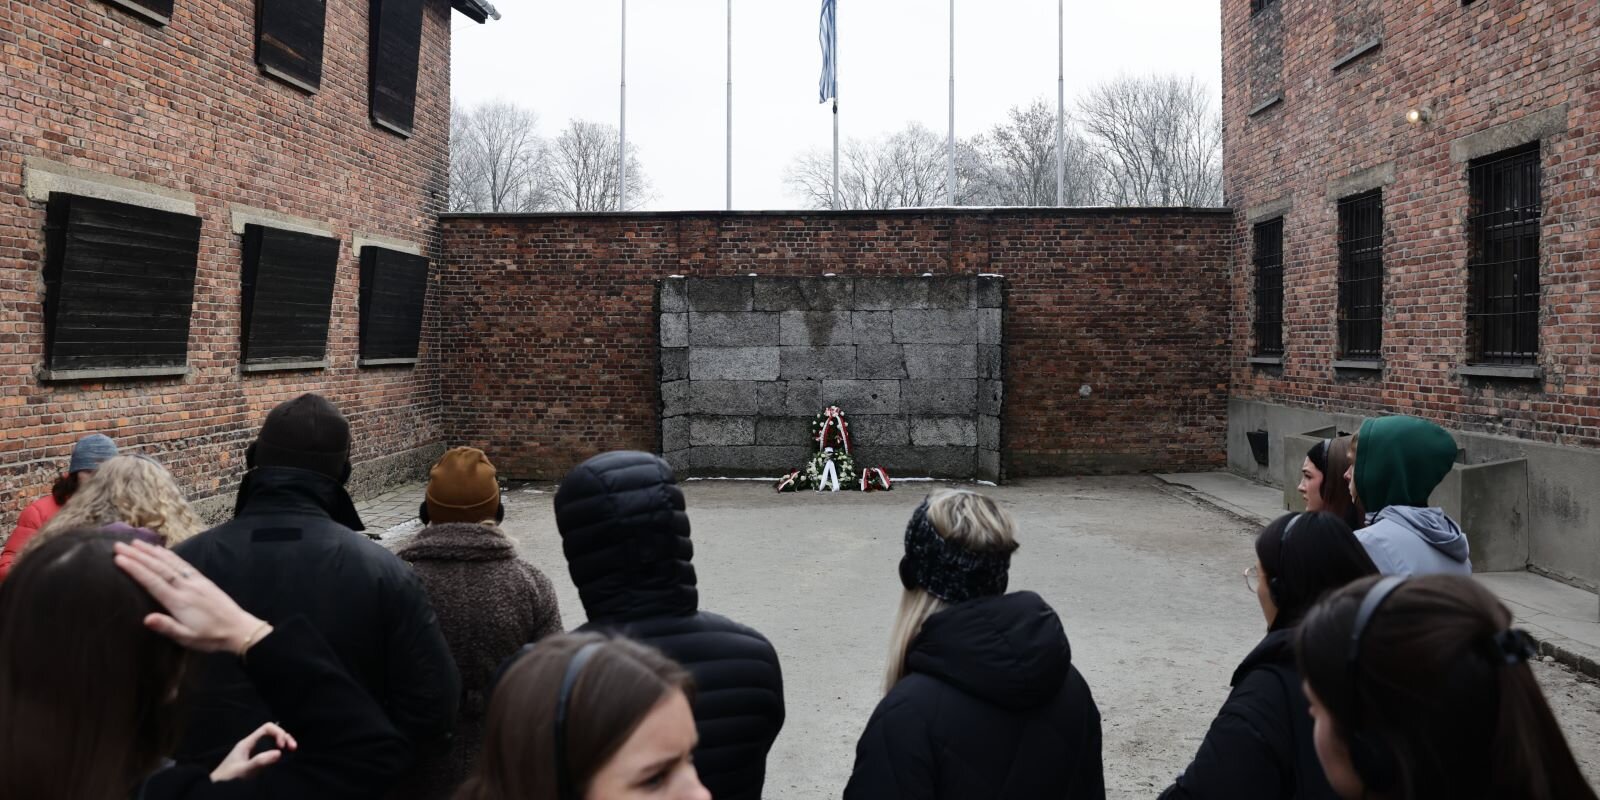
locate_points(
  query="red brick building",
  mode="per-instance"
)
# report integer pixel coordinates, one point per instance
(166, 163)
(1417, 202)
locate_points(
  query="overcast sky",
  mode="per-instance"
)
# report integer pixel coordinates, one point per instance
(562, 60)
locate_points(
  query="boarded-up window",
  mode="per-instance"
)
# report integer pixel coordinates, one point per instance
(119, 284)
(392, 288)
(287, 295)
(396, 43)
(157, 11)
(289, 40)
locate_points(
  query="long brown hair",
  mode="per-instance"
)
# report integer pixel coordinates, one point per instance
(87, 705)
(617, 688)
(1433, 693)
(132, 489)
(1336, 497)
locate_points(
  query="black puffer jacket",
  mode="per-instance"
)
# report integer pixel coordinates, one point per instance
(990, 707)
(1260, 745)
(626, 537)
(290, 550)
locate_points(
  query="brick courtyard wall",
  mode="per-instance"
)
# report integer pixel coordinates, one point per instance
(1491, 75)
(548, 354)
(184, 108)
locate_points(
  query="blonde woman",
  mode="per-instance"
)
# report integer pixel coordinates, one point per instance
(982, 700)
(134, 490)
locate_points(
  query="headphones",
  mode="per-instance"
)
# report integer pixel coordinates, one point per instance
(1372, 759)
(1273, 586)
(564, 788)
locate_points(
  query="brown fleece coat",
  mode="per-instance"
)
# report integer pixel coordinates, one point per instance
(489, 603)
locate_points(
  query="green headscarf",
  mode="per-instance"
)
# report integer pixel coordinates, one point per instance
(1399, 461)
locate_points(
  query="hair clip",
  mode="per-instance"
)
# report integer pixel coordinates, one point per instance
(1515, 646)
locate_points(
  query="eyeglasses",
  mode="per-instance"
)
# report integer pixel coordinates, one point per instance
(1252, 578)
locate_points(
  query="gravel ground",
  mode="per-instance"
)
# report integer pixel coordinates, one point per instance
(1147, 581)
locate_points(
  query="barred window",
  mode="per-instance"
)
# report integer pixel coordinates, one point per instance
(1503, 265)
(1361, 276)
(1257, 5)
(1268, 259)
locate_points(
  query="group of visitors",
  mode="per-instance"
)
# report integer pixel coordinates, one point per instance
(281, 654)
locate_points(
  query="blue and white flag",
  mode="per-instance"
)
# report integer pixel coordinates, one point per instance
(829, 87)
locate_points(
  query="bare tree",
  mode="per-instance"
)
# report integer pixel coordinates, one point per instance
(496, 159)
(581, 170)
(906, 169)
(1021, 156)
(1158, 141)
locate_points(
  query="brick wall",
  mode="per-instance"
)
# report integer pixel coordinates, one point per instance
(1490, 74)
(549, 355)
(183, 107)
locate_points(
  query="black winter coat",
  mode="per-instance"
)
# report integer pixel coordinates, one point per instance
(346, 745)
(626, 537)
(291, 550)
(990, 707)
(1260, 745)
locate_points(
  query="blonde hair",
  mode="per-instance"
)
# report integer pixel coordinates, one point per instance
(964, 518)
(131, 489)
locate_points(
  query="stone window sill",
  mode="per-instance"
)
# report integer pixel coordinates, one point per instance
(1265, 104)
(283, 366)
(386, 362)
(113, 373)
(1360, 50)
(1265, 361)
(1513, 372)
(1358, 365)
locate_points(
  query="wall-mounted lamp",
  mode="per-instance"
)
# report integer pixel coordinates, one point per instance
(1418, 116)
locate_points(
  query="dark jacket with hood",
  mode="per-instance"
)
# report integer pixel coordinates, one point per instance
(489, 603)
(626, 537)
(990, 707)
(1399, 462)
(291, 549)
(1260, 745)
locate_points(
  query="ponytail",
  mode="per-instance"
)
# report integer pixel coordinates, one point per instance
(1528, 753)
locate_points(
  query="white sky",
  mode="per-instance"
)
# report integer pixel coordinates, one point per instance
(562, 60)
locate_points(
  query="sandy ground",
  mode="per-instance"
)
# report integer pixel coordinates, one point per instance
(1147, 582)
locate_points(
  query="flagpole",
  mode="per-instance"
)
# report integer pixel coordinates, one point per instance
(622, 128)
(950, 142)
(730, 105)
(1061, 102)
(836, 107)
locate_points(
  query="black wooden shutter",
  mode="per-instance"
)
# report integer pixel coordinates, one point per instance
(287, 294)
(289, 40)
(159, 10)
(392, 288)
(119, 284)
(396, 45)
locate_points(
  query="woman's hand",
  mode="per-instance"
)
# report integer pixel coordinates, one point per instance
(240, 764)
(199, 615)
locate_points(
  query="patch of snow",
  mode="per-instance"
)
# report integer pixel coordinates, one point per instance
(402, 529)
(990, 275)
(985, 483)
(769, 480)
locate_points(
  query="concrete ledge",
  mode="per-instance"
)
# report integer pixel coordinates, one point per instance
(1530, 128)
(386, 362)
(273, 72)
(142, 11)
(1265, 104)
(1507, 372)
(1265, 361)
(1358, 365)
(1272, 209)
(242, 215)
(51, 375)
(362, 240)
(283, 366)
(391, 127)
(1365, 180)
(41, 177)
(1357, 52)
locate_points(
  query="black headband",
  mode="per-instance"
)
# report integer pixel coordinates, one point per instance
(946, 571)
(1318, 454)
(564, 787)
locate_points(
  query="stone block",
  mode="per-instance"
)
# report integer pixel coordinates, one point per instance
(816, 363)
(922, 462)
(873, 430)
(674, 296)
(708, 430)
(784, 431)
(733, 363)
(804, 294)
(862, 397)
(988, 466)
(988, 432)
(941, 361)
(674, 398)
(815, 328)
(990, 361)
(674, 363)
(890, 293)
(951, 293)
(872, 327)
(991, 397)
(726, 329)
(674, 434)
(681, 461)
(883, 361)
(990, 330)
(749, 460)
(769, 398)
(802, 398)
(953, 397)
(674, 330)
(991, 293)
(944, 431)
(721, 294)
(722, 397)
(935, 326)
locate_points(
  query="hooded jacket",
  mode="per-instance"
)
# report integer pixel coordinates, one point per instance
(489, 604)
(291, 550)
(33, 518)
(1399, 462)
(625, 534)
(990, 708)
(1260, 746)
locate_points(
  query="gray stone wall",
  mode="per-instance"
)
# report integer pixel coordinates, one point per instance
(914, 363)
